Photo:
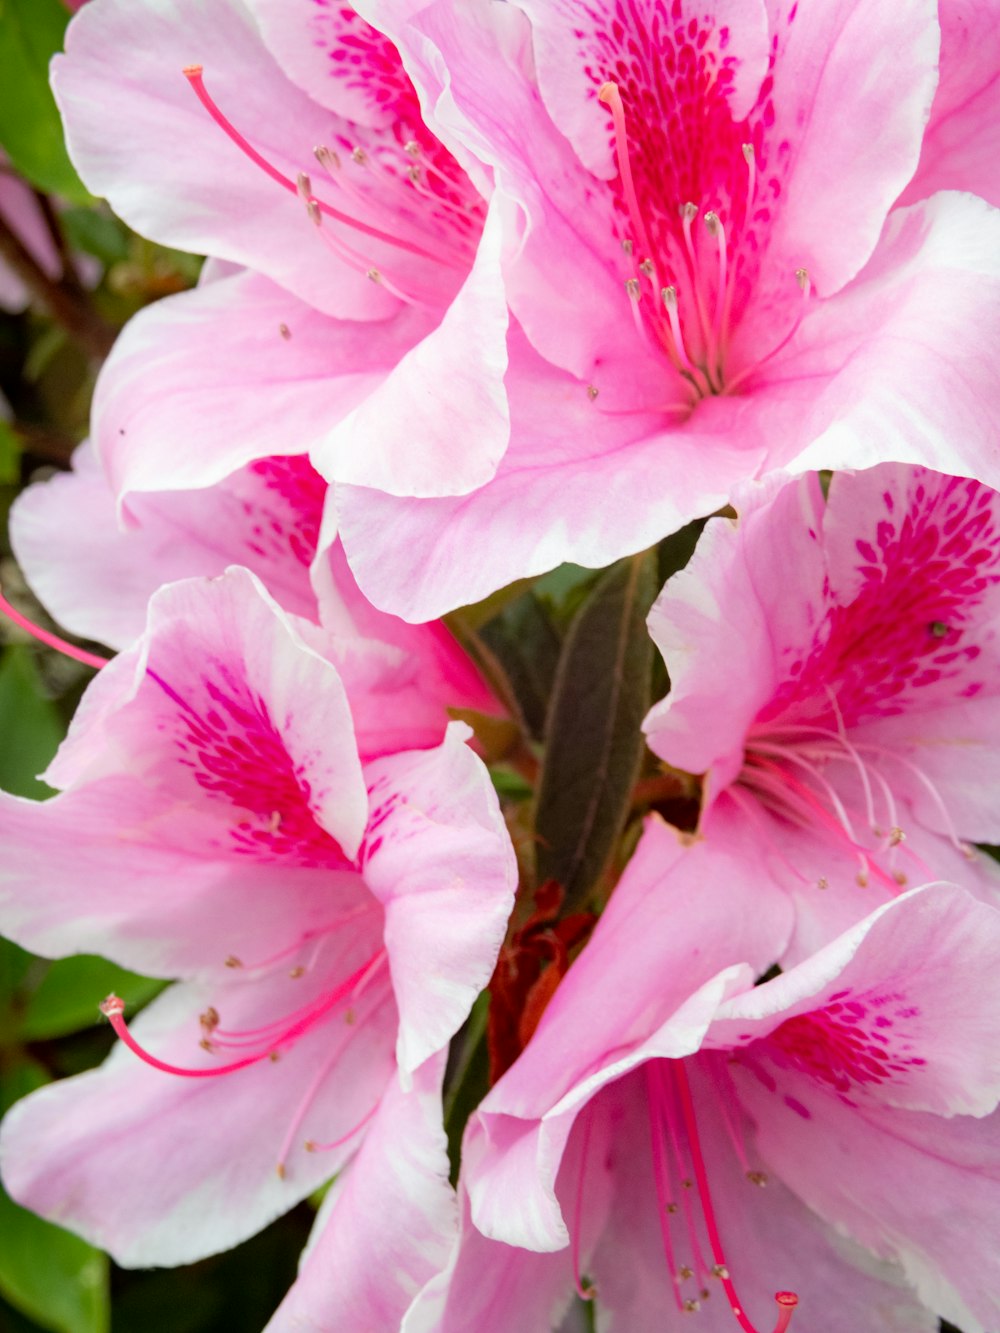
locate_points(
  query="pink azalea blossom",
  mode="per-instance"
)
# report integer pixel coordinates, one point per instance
(626, 1147)
(356, 305)
(96, 578)
(707, 270)
(834, 672)
(232, 813)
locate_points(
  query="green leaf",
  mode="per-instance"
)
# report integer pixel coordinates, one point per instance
(31, 32)
(594, 743)
(70, 991)
(467, 1078)
(522, 645)
(53, 1277)
(30, 725)
(10, 456)
(96, 232)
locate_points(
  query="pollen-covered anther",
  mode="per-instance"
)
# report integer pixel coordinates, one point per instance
(719, 1271)
(359, 155)
(592, 391)
(632, 287)
(285, 331)
(683, 1274)
(279, 1170)
(646, 268)
(712, 223)
(900, 878)
(861, 879)
(671, 1208)
(691, 1306)
(802, 278)
(326, 157)
(627, 246)
(373, 275)
(688, 211)
(748, 154)
(757, 1178)
(822, 882)
(687, 1184)
(303, 185)
(112, 1007)
(297, 972)
(233, 961)
(206, 1045)
(313, 210)
(209, 1020)
(896, 836)
(411, 148)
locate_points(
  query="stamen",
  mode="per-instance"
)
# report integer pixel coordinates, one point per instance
(661, 1175)
(750, 157)
(49, 639)
(717, 231)
(786, 1300)
(608, 94)
(194, 76)
(113, 1010)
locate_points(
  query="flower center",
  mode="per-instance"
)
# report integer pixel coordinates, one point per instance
(815, 777)
(410, 198)
(688, 285)
(356, 998)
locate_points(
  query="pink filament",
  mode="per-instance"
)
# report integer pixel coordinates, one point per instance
(51, 640)
(787, 1300)
(193, 74)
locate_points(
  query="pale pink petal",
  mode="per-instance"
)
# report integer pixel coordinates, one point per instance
(438, 422)
(96, 578)
(959, 149)
(205, 382)
(162, 1169)
(386, 1225)
(156, 886)
(891, 371)
(733, 598)
(21, 212)
(438, 857)
(898, 1011)
(913, 1187)
(173, 174)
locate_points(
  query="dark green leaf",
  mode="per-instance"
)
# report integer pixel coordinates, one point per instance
(30, 726)
(31, 32)
(594, 743)
(70, 991)
(467, 1078)
(97, 233)
(524, 646)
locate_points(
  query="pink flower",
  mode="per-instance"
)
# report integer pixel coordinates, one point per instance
(96, 578)
(357, 310)
(833, 673)
(626, 1146)
(709, 276)
(231, 814)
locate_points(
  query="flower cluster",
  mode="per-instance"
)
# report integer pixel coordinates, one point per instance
(494, 290)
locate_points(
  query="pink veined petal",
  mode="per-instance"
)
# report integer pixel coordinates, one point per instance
(160, 1169)
(207, 198)
(386, 1225)
(882, 1014)
(437, 855)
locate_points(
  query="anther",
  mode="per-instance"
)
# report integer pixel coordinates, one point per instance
(304, 186)
(315, 215)
(937, 629)
(822, 882)
(285, 331)
(757, 1178)
(326, 157)
(692, 1306)
(411, 148)
(373, 275)
(671, 1208)
(688, 211)
(861, 879)
(646, 268)
(632, 287)
(359, 155)
(592, 391)
(747, 152)
(297, 972)
(233, 961)
(685, 1273)
(899, 877)
(896, 836)
(206, 1045)
(712, 223)
(280, 1170)
(209, 1020)
(627, 246)
(719, 1271)
(687, 1184)
(802, 278)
